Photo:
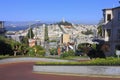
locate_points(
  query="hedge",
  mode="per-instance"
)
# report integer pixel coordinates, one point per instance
(97, 62)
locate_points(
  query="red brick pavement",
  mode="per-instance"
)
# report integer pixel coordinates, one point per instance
(23, 71)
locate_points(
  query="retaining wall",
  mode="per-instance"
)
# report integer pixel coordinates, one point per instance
(95, 70)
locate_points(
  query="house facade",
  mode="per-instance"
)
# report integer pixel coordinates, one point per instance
(111, 29)
(65, 38)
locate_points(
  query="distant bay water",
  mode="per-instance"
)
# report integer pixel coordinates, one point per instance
(17, 28)
(20, 25)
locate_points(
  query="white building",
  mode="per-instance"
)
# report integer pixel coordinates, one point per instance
(111, 28)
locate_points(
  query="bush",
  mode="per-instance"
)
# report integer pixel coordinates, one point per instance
(53, 51)
(94, 46)
(31, 51)
(24, 49)
(39, 51)
(84, 47)
(71, 53)
(4, 56)
(97, 62)
(67, 54)
(104, 62)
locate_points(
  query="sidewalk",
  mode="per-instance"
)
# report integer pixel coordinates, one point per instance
(30, 59)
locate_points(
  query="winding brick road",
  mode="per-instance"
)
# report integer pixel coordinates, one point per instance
(23, 71)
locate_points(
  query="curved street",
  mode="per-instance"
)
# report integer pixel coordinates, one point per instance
(30, 59)
(23, 71)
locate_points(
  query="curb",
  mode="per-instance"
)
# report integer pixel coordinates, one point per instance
(79, 75)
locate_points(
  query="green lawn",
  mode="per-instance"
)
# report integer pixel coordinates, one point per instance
(2, 57)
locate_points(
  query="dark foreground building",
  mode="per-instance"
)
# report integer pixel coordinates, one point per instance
(2, 29)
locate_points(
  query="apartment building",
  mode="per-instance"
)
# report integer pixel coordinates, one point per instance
(111, 28)
(2, 29)
(65, 38)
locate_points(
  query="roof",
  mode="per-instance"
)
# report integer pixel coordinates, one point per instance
(111, 8)
(116, 7)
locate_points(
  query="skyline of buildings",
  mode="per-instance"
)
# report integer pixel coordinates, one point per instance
(72, 34)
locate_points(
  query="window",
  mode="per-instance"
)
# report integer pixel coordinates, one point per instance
(117, 47)
(119, 16)
(118, 34)
(108, 17)
(109, 32)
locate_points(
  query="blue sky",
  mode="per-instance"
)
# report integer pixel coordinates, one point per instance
(77, 11)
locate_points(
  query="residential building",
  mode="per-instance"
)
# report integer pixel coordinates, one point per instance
(65, 38)
(32, 42)
(111, 29)
(2, 29)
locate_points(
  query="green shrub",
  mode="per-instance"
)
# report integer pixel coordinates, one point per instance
(71, 53)
(67, 54)
(84, 47)
(41, 53)
(52, 40)
(31, 51)
(39, 50)
(108, 61)
(94, 46)
(97, 62)
(5, 56)
(53, 51)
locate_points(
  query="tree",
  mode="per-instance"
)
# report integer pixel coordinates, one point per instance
(100, 30)
(25, 40)
(16, 46)
(5, 48)
(46, 34)
(30, 34)
(11, 47)
(64, 23)
(22, 49)
(100, 27)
